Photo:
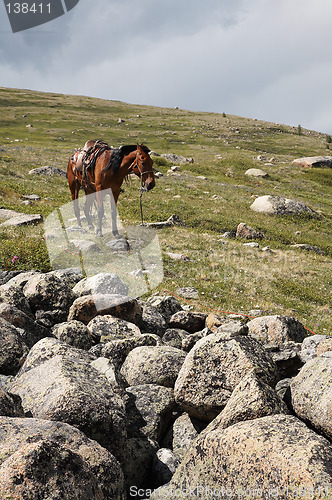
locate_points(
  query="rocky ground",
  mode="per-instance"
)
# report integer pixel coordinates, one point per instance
(108, 397)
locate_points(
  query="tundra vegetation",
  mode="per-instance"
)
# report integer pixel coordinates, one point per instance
(211, 195)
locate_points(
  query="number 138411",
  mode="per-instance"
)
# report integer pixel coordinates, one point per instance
(25, 8)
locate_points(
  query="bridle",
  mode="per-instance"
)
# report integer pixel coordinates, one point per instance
(143, 189)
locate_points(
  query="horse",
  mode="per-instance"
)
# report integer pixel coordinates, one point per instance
(98, 167)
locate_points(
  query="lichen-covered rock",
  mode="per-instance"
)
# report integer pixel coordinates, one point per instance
(13, 295)
(278, 205)
(74, 333)
(30, 331)
(70, 390)
(10, 404)
(13, 350)
(85, 308)
(149, 410)
(48, 292)
(152, 320)
(110, 328)
(185, 431)
(251, 399)
(47, 348)
(30, 473)
(275, 455)
(248, 233)
(40, 466)
(117, 350)
(212, 370)
(188, 320)
(102, 283)
(174, 337)
(190, 340)
(164, 465)
(311, 393)
(153, 365)
(167, 305)
(309, 347)
(276, 329)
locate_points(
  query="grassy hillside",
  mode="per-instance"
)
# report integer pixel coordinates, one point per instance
(228, 275)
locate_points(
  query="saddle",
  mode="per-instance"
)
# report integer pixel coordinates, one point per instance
(85, 158)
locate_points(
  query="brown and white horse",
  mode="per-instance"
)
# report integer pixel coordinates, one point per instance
(98, 167)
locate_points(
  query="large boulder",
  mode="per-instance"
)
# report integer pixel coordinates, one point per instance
(313, 161)
(34, 457)
(188, 320)
(110, 328)
(102, 283)
(13, 295)
(214, 367)
(167, 305)
(74, 333)
(276, 329)
(48, 292)
(153, 365)
(271, 456)
(311, 392)
(85, 308)
(252, 398)
(68, 389)
(278, 205)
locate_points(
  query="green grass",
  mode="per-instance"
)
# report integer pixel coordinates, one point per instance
(228, 275)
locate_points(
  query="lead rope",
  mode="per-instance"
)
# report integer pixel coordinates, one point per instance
(143, 190)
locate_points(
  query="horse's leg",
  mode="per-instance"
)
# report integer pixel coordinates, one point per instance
(114, 200)
(100, 204)
(89, 199)
(74, 196)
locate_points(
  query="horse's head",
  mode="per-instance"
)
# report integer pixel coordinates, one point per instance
(142, 167)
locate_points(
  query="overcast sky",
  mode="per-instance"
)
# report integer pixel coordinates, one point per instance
(266, 59)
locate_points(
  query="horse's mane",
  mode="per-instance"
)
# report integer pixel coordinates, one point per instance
(118, 155)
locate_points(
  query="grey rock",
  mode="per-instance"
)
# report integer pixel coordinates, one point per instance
(173, 158)
(153, 365)
(102, 474)
(70, 390)
(212, 370)
(149, 410)
(102, 283)
(167, 305)
(286, 357)
(152, 320)
(276, 329)
(110, 328)
(23, 220)
(313, 161)
(256, 172)
(48, 292)
(187, 320)
(311, 393)
(190, 340)
(174, 337)
(75, 334)
(251, 399)
(309, 347)
(279, 205)
(49, 171)
(274, 453)
(47, 348)
(13, 295)
(30, 331)
(309, 248)
(13, 350)
(185, 430)
(247, 232)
